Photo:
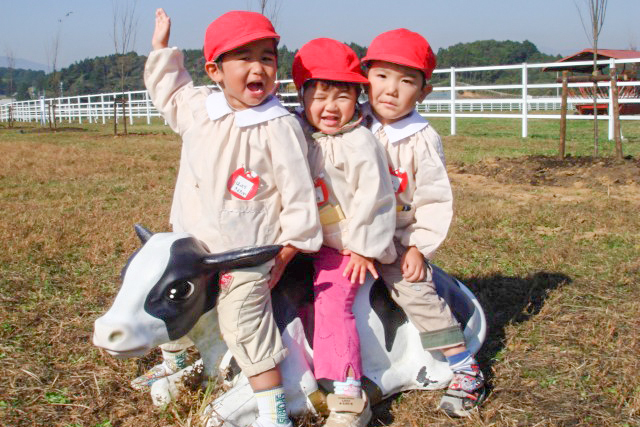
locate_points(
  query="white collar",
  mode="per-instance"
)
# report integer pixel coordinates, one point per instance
(218, 107)
(397, 131)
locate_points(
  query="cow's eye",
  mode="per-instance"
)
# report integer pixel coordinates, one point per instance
(180, 291)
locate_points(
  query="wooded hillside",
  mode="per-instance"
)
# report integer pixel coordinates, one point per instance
(105, 74)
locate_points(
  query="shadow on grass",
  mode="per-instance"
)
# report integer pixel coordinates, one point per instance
(506, 300)
(510, 300)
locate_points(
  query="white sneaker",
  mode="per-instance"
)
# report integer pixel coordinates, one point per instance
(347, 411)
(152, 375)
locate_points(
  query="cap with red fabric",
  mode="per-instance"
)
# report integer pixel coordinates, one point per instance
(326, 59)
(402, 47)
(234, 29)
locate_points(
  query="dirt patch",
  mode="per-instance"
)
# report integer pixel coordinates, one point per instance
(576, 172)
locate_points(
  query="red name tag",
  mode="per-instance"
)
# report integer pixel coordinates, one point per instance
(399, 179)
(243, 184)
(322, 194)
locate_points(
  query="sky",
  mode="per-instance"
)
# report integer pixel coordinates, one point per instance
(84, 28)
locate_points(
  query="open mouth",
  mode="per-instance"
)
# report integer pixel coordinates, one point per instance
(330, 121)
(256, 87)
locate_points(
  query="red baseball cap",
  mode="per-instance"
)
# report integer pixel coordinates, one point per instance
(326, 59)
(234, 29)
(402, 47)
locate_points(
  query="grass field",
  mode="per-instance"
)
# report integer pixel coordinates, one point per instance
(556, 268)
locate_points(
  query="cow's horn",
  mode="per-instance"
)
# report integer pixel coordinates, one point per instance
(143, 233)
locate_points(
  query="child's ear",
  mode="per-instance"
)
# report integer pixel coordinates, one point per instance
(213, 70)
(426, 90)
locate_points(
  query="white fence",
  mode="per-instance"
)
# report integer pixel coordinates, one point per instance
(444, 101)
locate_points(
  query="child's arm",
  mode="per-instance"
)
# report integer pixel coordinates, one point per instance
(371, 212)
(160, 38)
(433, 201)
(168, 82)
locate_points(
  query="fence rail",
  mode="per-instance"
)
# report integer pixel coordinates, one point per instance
(509, 101)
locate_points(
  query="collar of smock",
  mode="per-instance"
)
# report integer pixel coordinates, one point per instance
(397, 131)
(271, 108)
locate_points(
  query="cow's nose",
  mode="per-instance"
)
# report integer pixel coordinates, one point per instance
(115, 337)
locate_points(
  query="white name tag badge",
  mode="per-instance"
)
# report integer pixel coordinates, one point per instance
(243, 184)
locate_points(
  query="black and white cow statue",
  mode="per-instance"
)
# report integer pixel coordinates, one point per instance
(170, 287)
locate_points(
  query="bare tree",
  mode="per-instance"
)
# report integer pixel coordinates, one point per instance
(11, 64)
(125, 23)
(597, 11)
(54, 79)
(270, 9)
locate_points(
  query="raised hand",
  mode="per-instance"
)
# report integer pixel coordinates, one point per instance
(160, 38)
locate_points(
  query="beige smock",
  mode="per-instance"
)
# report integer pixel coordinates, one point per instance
(425, 206)
(265, 141)
(425, 210)
(243, 181)
(354, 168)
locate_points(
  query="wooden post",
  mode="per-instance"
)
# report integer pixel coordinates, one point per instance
(616, 112)
(124, 114)
(595, 116)
(563, 115)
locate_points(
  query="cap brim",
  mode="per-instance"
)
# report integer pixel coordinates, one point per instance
(395, 60)
(348, 77)
(246, 39)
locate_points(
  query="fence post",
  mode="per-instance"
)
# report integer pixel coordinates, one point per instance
(102, 108)
(453, 101)
(525, 105)
(89, 109)
(146, 103)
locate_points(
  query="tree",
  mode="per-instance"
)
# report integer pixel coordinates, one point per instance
(54, 79)
(597, 11)
(270, 11)
(11, 65)
(124, 38)
(125, 24)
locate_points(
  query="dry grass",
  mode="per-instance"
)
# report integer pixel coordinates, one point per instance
(556, 269)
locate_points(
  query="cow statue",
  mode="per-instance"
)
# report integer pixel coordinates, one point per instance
(170, 287)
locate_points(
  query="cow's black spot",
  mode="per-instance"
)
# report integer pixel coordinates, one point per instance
(390, 313)
(181, 314)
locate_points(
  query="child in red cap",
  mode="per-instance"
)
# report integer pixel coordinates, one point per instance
(357, 211)
(399, 64)
(243, 181)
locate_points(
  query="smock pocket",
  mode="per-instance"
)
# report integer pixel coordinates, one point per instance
(245, 223)
(405, 216)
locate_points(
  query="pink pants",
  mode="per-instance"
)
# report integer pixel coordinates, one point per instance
(336, 345)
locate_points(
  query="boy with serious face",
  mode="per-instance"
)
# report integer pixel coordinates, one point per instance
(399, 64)
(357, 212)
(243, 181)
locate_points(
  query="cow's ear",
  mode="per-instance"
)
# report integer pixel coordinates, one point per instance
(241, 258)
(143, 234)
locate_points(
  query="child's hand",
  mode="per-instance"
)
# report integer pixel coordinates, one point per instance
(285, 255)
(357, 268)
(413, 269)
(160, 38)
